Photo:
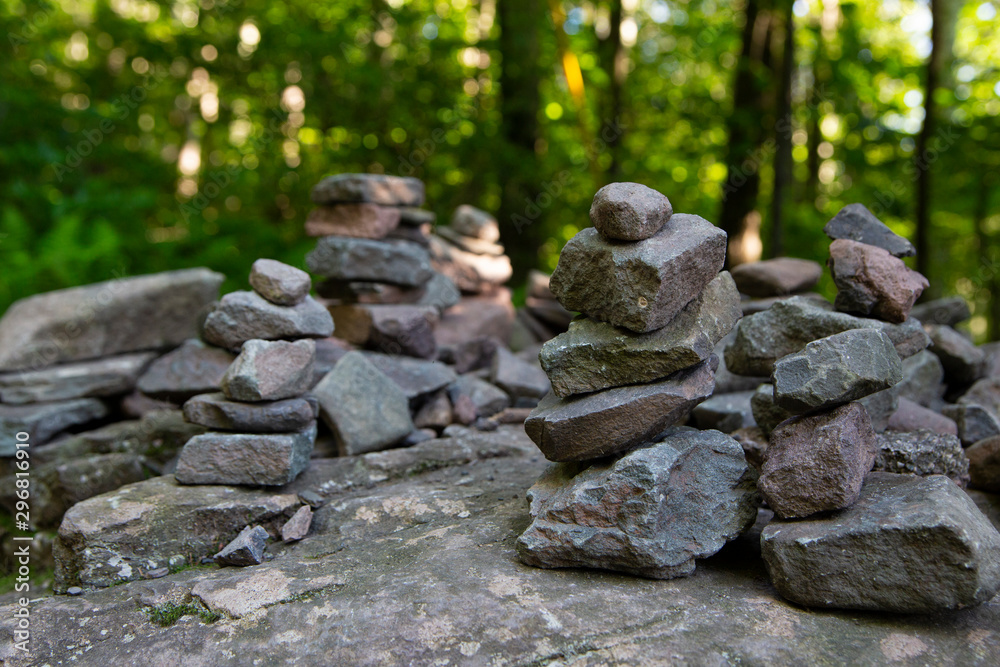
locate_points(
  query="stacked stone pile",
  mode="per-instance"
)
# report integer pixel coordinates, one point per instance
(763, 283)
(542, 318)
(631, 491)
(263, 426)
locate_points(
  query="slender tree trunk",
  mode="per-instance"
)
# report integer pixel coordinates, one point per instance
(923, 198)
(783, 138)
(613, 62)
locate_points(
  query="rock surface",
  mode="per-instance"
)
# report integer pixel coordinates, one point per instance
(519, 378)
(817, 463)
(85, 379)
(725, 412)
(873, 282)
(909, 544)
(856, 223)
(835, 370)
(910, 416)
(922, 453)
(473, 273)
(475, 223)
(264, 459)
(629, 211)
(766, 412)
(193, 368)
(279, 283)
(361, 220)
(923, 379)
(243, 316)
(649, 512)
(777, 277)
(640, 286)
(297, 527)
(149, 312)
(374, 188)
(949, 311)
(43, 421)
(246, 549)
(215, 411)
(397, 262)
(270, 371)
(615, 420)
(963, 362)
(974, 422)
(984, 464)
(594, 355)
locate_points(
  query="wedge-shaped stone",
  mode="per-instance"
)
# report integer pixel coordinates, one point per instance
(857, 223)
(650, 512)
(279, 283)
(270, 459)
(215, 411)
(616, 420)
(374, 188)
(873, 282)
(909, 544)
(193, 368)
(364, 260)
(596, 355)
(270, 370)
(640, 286)
(242, 316)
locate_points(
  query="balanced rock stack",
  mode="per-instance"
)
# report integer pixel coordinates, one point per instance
(632, 491)
(379, 284)
(263, 425)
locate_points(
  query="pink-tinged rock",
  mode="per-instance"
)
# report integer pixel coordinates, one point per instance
(911, 416)
(270, 371)
(367, 221)
(476, 316)
(298, 526)
(629, 211)
(984, 464)
(777, 277)
(373, 188)
(818, 462)
(873, 282)
(279, 283)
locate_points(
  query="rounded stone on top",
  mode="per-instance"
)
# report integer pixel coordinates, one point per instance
(279, 283)
(629, 211)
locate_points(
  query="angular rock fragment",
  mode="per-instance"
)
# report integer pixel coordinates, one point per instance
(835, 370)
(297, 527)
(361, 220)
(259, 459)
(725, 412)
(963, 362)
(754, 443)
(397, 262)
(406, 330)
(909, 544)
(373, 188)
(857, 223)
(615, 420)
(881, 406)
(650, 512)
(243, 316)
(629, 211)
(270, 371)
(435, 413)
(518, 378)
(922, 453)
(475, 223)
(215, 411)
(984, 464)
(948, 311)
(246, 549)
(923, 379)
(279, 283)
(42, 421)
(873, 282)
(777, 277)
(484, 398)
(766, 412)
(416, 377)
(817, 463)
(474, 316)
(640, 286)
(85, 379)
(594, 355)
(193, 368)
(974, 422)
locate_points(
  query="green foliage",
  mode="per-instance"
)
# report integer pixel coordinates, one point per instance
(168, 614)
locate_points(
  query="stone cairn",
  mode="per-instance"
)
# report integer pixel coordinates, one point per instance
(845, 536)
(263, 428)
(632, 491)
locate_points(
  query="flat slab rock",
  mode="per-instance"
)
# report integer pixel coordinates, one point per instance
(595, 355)
(856, 223)
(84, 379)
(909, 544)
(358, 220)
(651, 512)
(640, 286)
(193, 368)
(258, 459)
(217, 412)
(243, 316)
(43, 421)
(777, 277)
(374, 188)
(433, 575)
(394, 262)
(922, 453)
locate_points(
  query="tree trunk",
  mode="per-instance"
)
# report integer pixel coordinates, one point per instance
(923, 213)
(783, 138)
(613, 62)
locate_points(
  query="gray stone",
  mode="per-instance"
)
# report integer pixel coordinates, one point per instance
(725, 412)
(474, 354)
(365, 409)
(246, 549)
(485, 399)
(395, 262)
(948, 311)
(439, 292)
(267, 459)
(651, 512)
(910, 544)
(922, 453)
(629, 211)
(751, 306)
(476, 223)
(193, 368)
(416, 377)
(789, 325)
(835, 370)
(471, 272)
(640, 286)
(963, 362)
(974, 422)
(616, 420)
(984, 464)
(857, 223)
(754, 443)
(596, 355)
(435, 413)
(873, 282)
(471, 244)
(817, 463)
(85, 379)
(520, 379)
(279, 283)
(43, 421)
(475, 316)
(880, 407)
(357, 220)
(297, 527)
(910, 416)
(777, 277)
(150, 312)
(243, 316)
(727, 382)
(766, 412)
(270, 371)
(374, 188)
(215, 411)
(406, 330)
(923, 379)
(985, 392)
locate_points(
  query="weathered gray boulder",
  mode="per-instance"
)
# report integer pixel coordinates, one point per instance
(374, 188)
(519, 378)
(616, 420)
(215, 411)
(364, 408)
(43, 421)
(835, 370)
(651, 512)
(909, 544)
(923, 379)
(243, 316)
(974, 422)
(948, 311)
(777, 277)
(857, 223)
(84, 379)
(984, 464)
(922, 453)
(640, 286)
(963, 362)
(279, 283)
(595, 355)
(396, 262)
(270, 371)
(629, 211)
(725, 412)
(193, 368)
(789, 325)
(475, 223)
(265, 459)
(246, 549)
(357, 220)
(150, 312)
(818, 462)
